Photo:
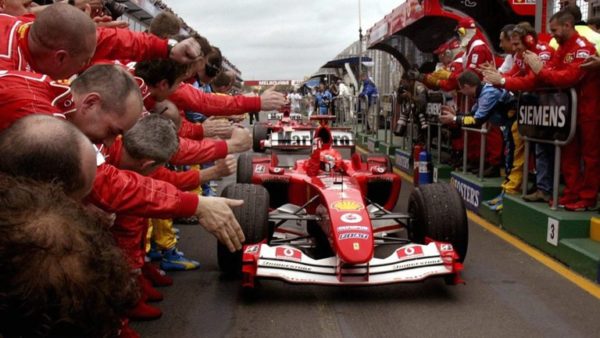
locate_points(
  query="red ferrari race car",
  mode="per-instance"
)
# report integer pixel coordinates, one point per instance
(330, 221)
(288, 132)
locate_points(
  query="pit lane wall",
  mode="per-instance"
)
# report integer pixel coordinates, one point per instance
(572, 238)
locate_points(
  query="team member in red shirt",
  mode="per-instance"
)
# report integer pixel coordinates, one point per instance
(446, 77)
(62, 40)
(581, 186)
(145, 148)
(102, 119)
(477, 50)
(477, 54)
(520, 77)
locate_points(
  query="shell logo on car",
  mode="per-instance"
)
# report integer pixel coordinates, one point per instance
(347, 205)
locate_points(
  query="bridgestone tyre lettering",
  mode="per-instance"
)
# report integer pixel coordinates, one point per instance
(253, 218)
(437, 211)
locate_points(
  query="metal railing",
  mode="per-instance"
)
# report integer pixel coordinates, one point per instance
(483, 131)
(387, 113)
(344, 109)
(432, 111)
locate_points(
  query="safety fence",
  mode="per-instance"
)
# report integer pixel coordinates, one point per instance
(403, 124)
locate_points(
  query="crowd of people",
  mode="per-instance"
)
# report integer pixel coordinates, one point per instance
(104, 137)
(481, 87)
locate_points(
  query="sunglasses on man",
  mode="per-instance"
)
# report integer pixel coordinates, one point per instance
(212, 70)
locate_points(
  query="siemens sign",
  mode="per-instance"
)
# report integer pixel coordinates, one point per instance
(546, 114)
(469, 192)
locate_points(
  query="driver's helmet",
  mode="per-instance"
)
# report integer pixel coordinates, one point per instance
(330, 159)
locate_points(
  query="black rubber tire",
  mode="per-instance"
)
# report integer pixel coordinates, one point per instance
(259, 133)
(252, 216)
(365, 158)
(438, 212)
(244, 168)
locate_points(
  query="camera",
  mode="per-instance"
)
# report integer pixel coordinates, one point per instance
(114, 8)
(402, 89)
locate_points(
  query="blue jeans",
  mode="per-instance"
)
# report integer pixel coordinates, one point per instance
(544, 163)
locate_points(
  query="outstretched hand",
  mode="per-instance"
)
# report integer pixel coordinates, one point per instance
(186, 51)
(216, 216)
(271, 100)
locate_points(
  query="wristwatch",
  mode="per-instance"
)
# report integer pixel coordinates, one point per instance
(502, 81)
(170, 44)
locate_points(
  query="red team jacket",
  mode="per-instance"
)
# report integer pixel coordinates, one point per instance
(563, 71)
(477, 53)
(520, 76)
(24, 93)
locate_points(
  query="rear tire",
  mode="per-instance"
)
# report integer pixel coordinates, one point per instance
(244, 168)
(253, 218)
(259, 133)
(437, 211)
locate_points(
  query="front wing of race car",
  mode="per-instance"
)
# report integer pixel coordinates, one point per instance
(410, 263)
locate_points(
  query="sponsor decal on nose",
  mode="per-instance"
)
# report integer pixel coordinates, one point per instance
(288, 254)
(351, 218)
(409, 252)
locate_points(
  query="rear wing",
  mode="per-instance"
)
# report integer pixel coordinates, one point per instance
(303, 139)
(279, 116)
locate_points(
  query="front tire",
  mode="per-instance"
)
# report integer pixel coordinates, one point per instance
(437, 211)
(245, 169)
(259, 132)
(253, 218)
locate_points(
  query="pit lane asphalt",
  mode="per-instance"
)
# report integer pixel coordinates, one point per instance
(508, 294)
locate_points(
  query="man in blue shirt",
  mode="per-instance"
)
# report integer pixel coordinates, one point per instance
(498, 106)
(369, 92)
(323, 99)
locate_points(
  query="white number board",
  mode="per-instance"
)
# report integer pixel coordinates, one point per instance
(552, 234)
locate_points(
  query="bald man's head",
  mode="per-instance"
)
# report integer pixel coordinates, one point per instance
(49, 149)
(62, 40)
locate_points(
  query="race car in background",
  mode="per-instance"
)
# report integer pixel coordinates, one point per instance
(330, 221)
(288, 132)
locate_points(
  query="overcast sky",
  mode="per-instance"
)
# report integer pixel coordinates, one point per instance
(280, 39)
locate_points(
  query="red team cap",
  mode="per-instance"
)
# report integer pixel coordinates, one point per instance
(446, 46)
(467, 23)
(441, 48)
(453, 44)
